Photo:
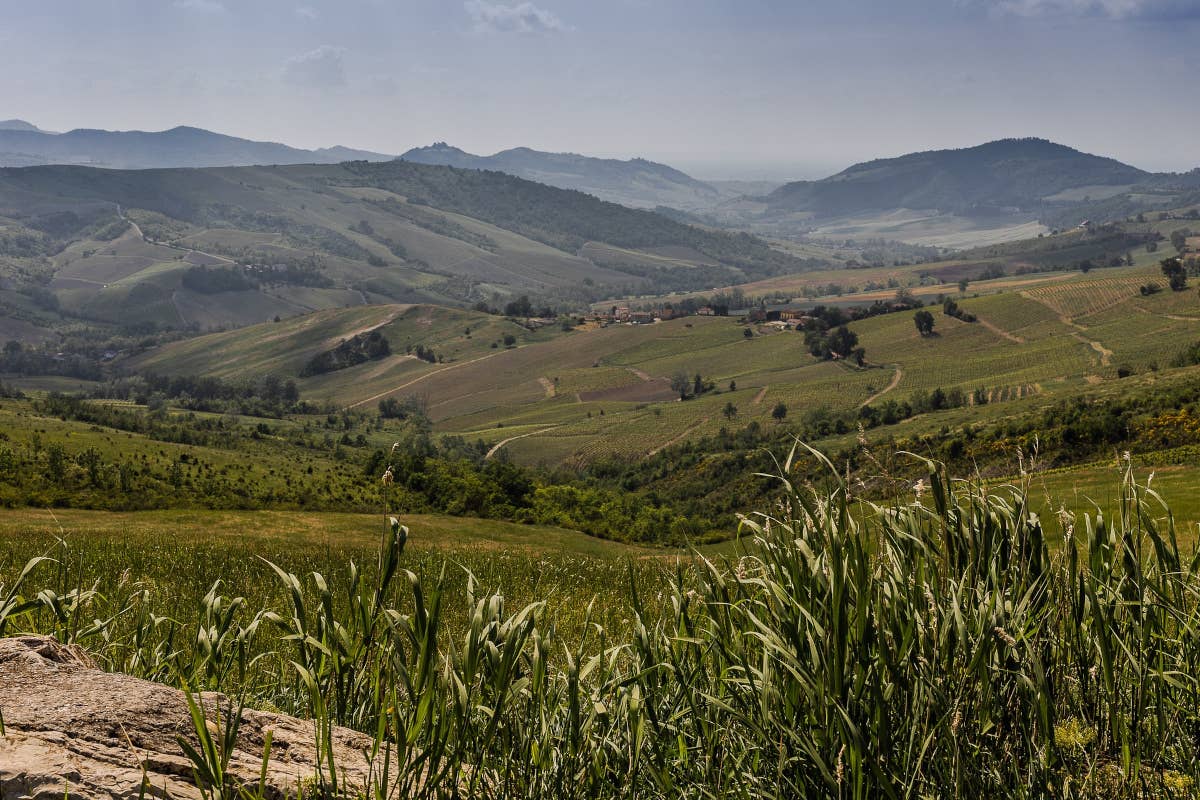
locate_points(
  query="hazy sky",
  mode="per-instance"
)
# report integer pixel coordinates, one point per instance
(722, 88)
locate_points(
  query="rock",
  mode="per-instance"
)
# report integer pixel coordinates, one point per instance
(74, 731)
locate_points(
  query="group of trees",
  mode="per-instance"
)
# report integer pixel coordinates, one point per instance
(20, 359)
(1175, 273)
(411, 407)
(688, 388)
(268, 396)
(357, 349)
(841, 342)
(951, 309)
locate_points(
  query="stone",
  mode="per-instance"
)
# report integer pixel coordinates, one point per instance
(74, 731)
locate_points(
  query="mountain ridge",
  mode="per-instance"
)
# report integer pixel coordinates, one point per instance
(636, 182)
(23, 144)
(1004, 173)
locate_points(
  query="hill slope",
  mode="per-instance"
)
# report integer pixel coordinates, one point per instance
(23, 144)
(1020, 173)
(238, 245)
(997, 192)
(638, 183)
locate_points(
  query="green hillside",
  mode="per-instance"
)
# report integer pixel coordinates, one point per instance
(204, 249)
(1003, 191)
(1024, 173)
(575, 397)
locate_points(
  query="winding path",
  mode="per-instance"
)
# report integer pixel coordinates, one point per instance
(1063, 318)
(137, 229)
(640, 373)
(496, 447)
(996, 329)
(895, 382)
(758, 398)
(1104, 352)
(678, 438)
(1176, 317)
(420, 378)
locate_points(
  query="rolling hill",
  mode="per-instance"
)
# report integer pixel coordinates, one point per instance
(223, 247)
(572, 397)
(1000, 191)
(1009, 173)
(23, 144)
(637, 182)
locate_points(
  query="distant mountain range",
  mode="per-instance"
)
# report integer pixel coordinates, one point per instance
(23, 144)
(638, 183)
(1003, 189)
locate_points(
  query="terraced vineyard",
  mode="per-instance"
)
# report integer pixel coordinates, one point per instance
(558, 396)
(1078, 299)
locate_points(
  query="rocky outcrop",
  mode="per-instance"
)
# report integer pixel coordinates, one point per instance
(74, 731)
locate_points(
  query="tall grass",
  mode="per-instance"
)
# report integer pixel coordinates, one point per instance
(930, 648)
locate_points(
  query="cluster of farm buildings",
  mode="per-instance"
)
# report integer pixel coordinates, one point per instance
(623, 315)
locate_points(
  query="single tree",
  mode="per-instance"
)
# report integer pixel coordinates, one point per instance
(730, 410)
(924, 321)
(963, 284)
(842, 342)
(779, 411)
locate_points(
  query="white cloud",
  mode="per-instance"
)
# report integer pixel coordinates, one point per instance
(306, 13)
(519, 18)
(323, 68)
(1112, 9)
(203, 6)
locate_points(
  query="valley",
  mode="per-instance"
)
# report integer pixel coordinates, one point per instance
(227, 388)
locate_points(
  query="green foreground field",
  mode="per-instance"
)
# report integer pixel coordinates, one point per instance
(184, 553)
(800, 659)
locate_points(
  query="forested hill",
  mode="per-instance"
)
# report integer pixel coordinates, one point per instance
(1009, 173)
(636, 182)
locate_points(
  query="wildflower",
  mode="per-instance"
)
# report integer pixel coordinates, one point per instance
(841, 766)
(395, 447)
(387, 478)
(919, 488)
(1074, 734)
(956, 721)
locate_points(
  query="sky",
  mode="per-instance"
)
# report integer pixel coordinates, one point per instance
(752, 89)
